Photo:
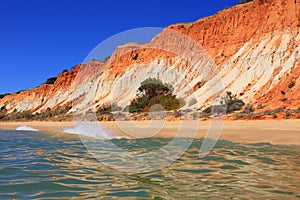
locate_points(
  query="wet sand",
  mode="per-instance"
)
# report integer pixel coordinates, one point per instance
(274, 132)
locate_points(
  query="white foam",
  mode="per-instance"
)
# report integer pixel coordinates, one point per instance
(70, 130)
(94, 130)
(25, 128)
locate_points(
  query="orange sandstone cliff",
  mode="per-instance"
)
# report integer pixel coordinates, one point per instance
(251, 49)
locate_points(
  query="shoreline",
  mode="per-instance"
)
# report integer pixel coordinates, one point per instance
(285, 132)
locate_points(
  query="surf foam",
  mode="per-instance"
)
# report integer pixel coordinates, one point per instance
(26, 128)
(94, 130)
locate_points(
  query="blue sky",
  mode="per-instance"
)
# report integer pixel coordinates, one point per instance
(41, 38)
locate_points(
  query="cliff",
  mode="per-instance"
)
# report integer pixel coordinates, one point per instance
(251, 49)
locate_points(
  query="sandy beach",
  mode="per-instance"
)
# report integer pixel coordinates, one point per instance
(274, 132)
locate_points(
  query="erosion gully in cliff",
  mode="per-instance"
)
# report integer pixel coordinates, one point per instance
(254, 46)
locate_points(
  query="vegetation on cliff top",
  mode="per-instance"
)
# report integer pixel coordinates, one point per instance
(244, 1)
(3, 95)
(50, 80)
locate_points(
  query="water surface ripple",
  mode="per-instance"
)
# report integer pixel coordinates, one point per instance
(34, 165)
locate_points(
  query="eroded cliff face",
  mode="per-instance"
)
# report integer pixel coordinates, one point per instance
(252, 50)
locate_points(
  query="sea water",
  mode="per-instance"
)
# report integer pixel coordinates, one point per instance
(36, 165)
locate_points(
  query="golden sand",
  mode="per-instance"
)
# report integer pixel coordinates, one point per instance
(275, 132)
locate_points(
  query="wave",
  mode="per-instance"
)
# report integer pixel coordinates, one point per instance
(94, 130)
(70, 130)
(26, 128)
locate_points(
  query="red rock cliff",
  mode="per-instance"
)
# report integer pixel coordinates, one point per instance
(254, 45)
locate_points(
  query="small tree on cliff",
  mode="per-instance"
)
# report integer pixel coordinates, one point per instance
(152, 87)
(231, 103)
(153, 91)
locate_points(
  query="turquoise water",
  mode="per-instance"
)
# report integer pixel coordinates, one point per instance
(35, 165)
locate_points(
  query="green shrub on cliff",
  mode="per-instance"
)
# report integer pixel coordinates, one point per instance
(153, 91)
(3, 112)
(50, 80)
(231, 103)
(3, 95)
(138, 104)
(105, 109)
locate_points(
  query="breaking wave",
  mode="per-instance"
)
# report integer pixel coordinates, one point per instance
(94, 130)
(26, 128)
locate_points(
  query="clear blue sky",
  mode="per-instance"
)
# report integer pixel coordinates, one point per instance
(39, 39)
